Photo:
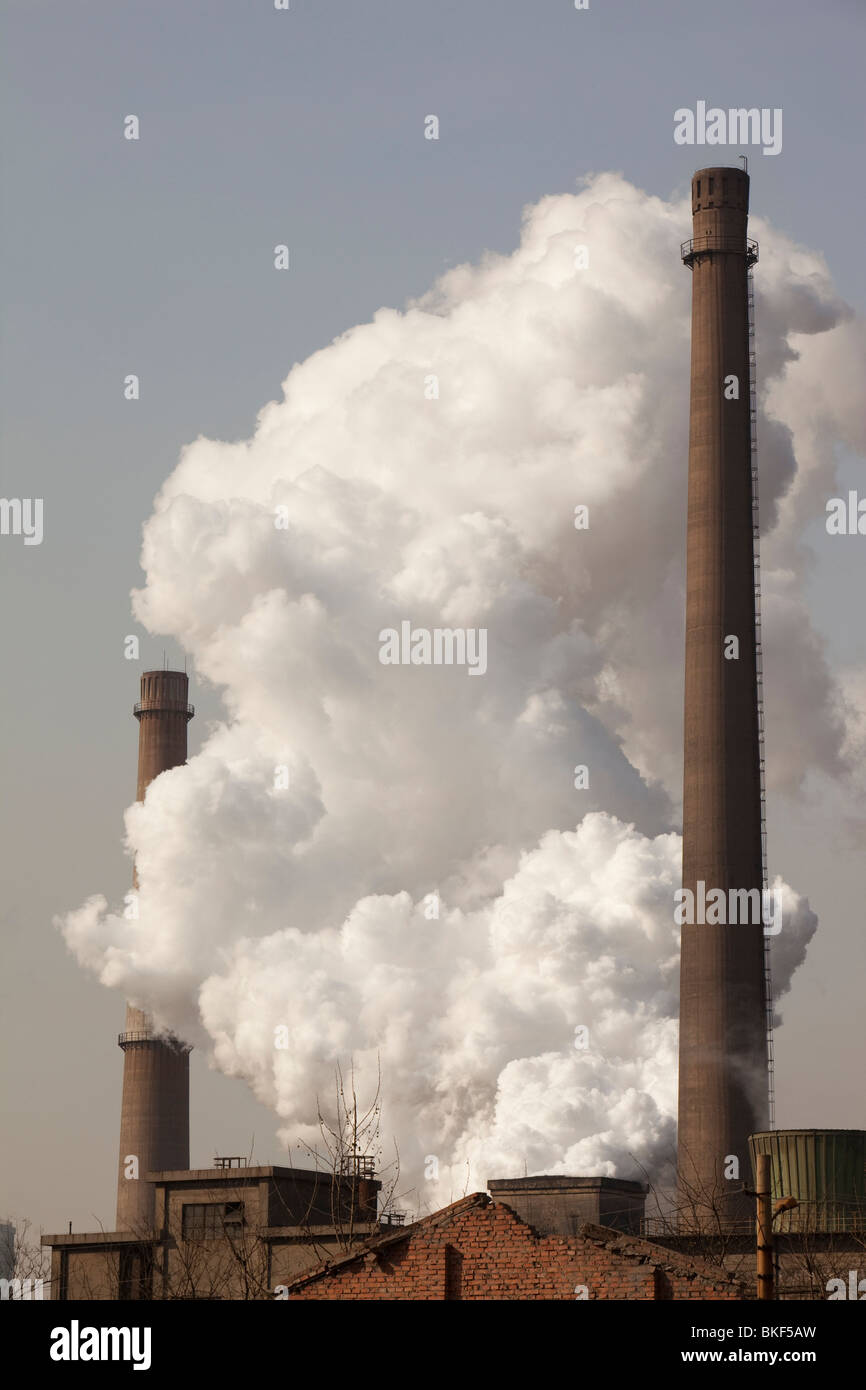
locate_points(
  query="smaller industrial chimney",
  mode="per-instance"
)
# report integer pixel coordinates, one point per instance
(154, 1115)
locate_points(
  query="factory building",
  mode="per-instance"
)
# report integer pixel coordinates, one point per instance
(560, 1206)
(236, 1232)
(227, 1232)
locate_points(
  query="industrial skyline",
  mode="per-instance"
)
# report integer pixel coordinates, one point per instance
(725, 1079)
(622, 344)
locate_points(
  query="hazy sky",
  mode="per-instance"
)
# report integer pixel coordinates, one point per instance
(156, 258)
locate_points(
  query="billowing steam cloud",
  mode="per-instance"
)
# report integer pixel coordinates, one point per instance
(431, 887)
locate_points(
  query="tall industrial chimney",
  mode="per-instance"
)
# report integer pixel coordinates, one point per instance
(723, 1063)
(154, 1116)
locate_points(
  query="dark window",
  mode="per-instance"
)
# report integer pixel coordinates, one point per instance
(135, 1272)
(712, 181)
(724, 188)
(211, 1220)
(699, 188)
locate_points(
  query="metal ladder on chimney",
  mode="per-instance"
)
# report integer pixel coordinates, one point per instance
(759, 670)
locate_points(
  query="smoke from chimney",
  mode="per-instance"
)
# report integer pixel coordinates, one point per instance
(382, 860)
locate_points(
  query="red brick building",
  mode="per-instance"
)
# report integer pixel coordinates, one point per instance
(480, 1249)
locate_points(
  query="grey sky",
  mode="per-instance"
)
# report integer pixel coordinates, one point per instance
(156, 258)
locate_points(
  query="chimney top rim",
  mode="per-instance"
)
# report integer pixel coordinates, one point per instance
(721, 169)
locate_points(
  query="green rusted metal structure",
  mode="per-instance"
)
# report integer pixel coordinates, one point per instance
(824, 1169)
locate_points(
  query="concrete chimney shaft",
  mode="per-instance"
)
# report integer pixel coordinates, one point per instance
(154, 1116)
(723, 1078)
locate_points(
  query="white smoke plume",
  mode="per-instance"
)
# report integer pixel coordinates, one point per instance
(417, 790)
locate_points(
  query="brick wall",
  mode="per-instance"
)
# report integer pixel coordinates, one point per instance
(478, 1249)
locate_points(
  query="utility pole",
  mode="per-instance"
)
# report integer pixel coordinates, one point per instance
(764, 1228)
